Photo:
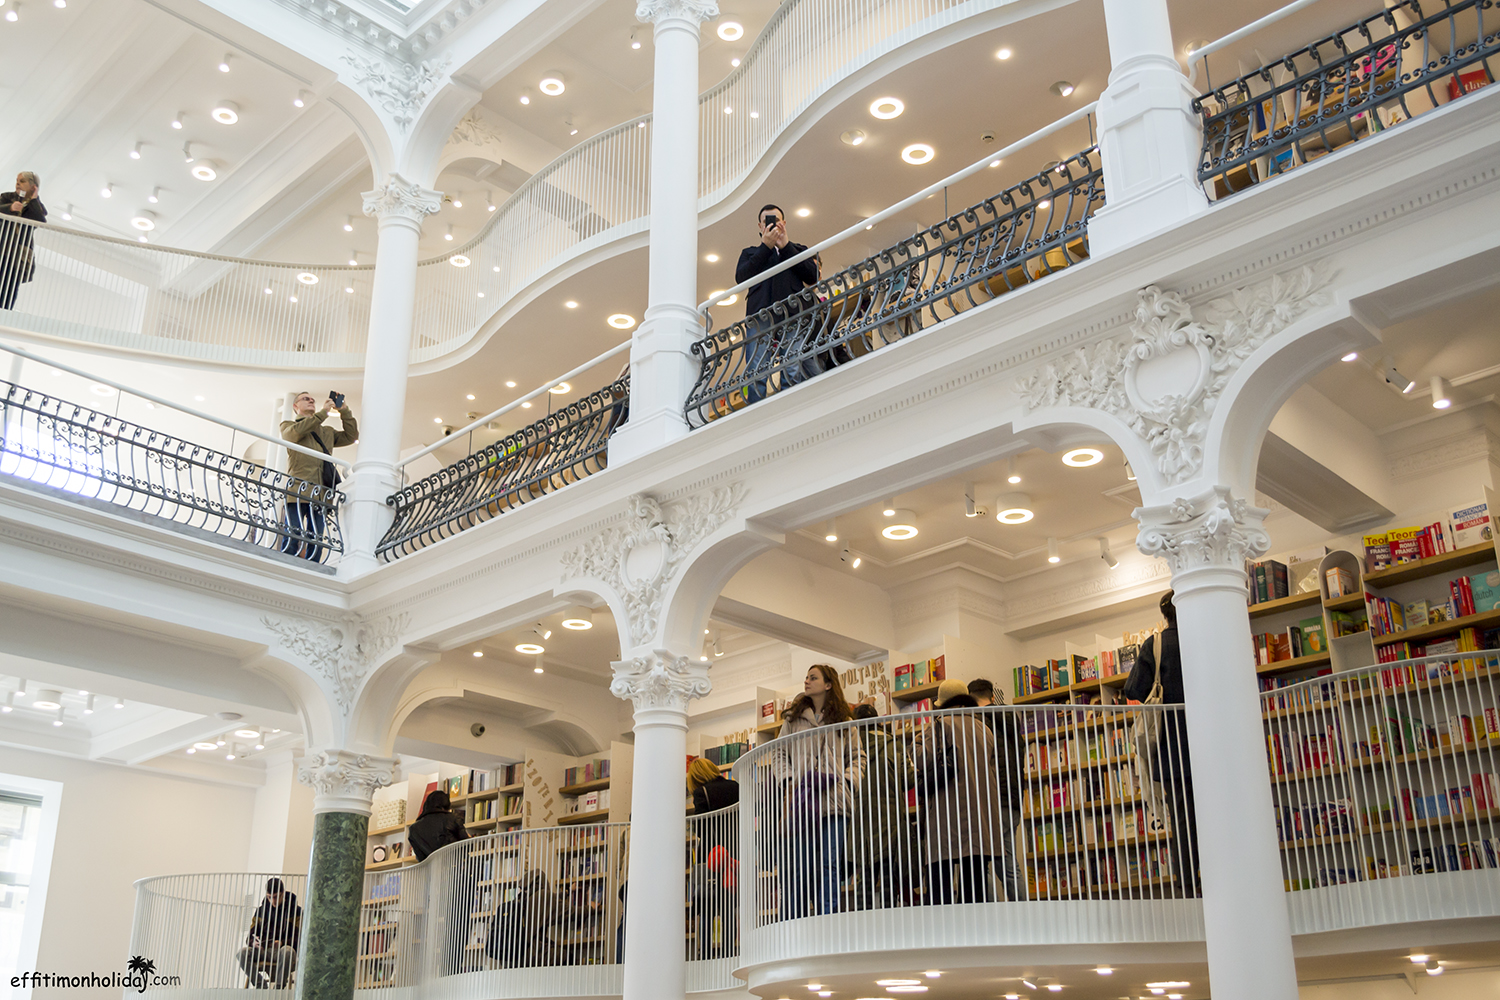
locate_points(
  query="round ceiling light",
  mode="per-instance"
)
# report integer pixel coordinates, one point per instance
(204, 745)
(1082, 458)
(731, 31)
(577, 624)
(226, 113)
(530, 648)
(308, 278)
(902, 527)
(918, 153)
(560, 388)
(552, 86)
(620, 321)
(887, 108)
(1013, 508)
(145, 222)
(247, 734)
(852, 137)
(459, 260)
(898, 982)
(48, 700)
(204, 172)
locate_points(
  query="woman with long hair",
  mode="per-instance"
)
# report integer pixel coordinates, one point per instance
(819, 771)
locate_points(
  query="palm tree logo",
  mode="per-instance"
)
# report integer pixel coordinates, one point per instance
(144, 966)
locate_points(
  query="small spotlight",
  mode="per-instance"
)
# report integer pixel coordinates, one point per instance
(1062, 88)
(1053, 555)
(224, 63)
(1111, 562)
(1398, 380)
(803, 213)
(1440, 398)
(1433, 968)
(1003, 54)
(154, 197)
(135, 154)
(348, 223)
(1105, 970)
(478, 654)
(1351, 356)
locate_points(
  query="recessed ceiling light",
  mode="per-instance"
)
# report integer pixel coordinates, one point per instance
(1003, 54)
(887, 108)
(1419, 959)
(478, 654)
(1105, 970)
(459, 260)
(204, 172)
(728, 301)
(917, 153)
(560, 388)
(1082, 458)
(728, 110)
(205, 745)
(903, 526)
(1351, 356)
(145, 222)
(906, 989)
(199, 398)
(292, 299)
(530, 648)
(570, 304)
(470, 397)
(898, 982)
(349, 290)
(247, 734)
(510, 385)
(932, 973)
(712, 258)
(308, 278)
(735, 62)
(525, 99)
(621, 321)
(551, 86)
(731, 31)
(994, 163)
(852, 136)
(227, 113)
(525, 406)
(755, 114)
(803, 213)
(577, 624)
(1062, 88)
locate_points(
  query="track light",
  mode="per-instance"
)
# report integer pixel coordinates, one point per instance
(107, 191)
(1395, 378)
(542, 630)
(135, 154)
(68, 213)
(1106, 555)
(831, 533)
(1011, 475)
(852, 560)
(88, 709)
(1440, 398)
(888, 509)
(1053, 556)
(21, 689)
(224, 63)
(970, 510)
(348, 223)
(449, 234)
(187, 151)
(177, 122)
(302, 99)
(153, 197)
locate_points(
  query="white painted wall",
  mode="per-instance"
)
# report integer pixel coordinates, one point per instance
(116, 825)
(281, 828)
(1449, 986)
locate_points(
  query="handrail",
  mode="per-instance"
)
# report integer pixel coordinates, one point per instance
(513, 404)
(902, 205)
(288, 445)
(1234, 36)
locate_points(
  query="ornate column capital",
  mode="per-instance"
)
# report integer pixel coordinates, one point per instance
(345, 781)
(399, 88)
(399, 198)
(342, 655)
(1211, 531)
(660, 680)
(657, 11)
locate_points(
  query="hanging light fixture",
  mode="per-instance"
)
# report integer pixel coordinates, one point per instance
(1053, 555)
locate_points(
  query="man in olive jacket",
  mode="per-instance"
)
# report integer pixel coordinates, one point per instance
(306, 506)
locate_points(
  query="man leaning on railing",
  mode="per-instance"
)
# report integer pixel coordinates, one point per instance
(17, 255)
(765, 348)
(305, 520)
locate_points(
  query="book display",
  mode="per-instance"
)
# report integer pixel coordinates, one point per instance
(596, 789)
(494, 799)
(388, 930)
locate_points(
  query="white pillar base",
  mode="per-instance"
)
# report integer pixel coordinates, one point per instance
(365, 517)
(1149, 142)
(662, 373)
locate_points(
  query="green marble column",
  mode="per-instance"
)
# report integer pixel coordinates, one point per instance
(330, 922)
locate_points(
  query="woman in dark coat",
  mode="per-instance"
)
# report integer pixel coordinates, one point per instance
(436, 826)
(16, 262)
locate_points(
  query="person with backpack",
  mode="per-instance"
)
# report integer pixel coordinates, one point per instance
(962, 812)
(1005, 726)
(879, 834)
(309, 499)
(819, 772)
(518, 935)
(1156, 679)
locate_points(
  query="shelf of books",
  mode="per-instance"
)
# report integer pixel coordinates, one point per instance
(495, 800)
(1082, 676)
(592, 789)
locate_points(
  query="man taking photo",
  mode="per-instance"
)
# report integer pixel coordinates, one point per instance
(308, 501)
(766, 342)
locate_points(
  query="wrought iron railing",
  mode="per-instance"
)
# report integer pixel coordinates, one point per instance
(559, 449)
(100, 459)
(1023, 233)
(1374, 74)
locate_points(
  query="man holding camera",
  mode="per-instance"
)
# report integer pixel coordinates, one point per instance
(766, 342)
(309, 500)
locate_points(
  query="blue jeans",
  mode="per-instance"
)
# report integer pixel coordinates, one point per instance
(814, 868)
(303, 519)
(765, 349)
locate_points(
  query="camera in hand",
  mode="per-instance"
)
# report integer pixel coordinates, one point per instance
(337, 398)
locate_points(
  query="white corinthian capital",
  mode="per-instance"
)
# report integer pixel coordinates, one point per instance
(657, 11)
(344, 781)
(1214, 530)
(400, 198)
(660, 680)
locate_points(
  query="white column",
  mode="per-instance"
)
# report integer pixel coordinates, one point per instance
(1149, 138)
(661, 685)
(662, 367)
(399, 206)
(1206, 540)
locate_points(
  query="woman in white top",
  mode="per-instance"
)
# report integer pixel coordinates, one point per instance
(820, 771)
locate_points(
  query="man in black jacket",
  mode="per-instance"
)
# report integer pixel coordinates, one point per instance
(1009, 748)
(271, 947)
(768, 338)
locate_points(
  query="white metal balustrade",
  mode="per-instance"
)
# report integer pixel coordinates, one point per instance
(713, 899)
(1386, 790)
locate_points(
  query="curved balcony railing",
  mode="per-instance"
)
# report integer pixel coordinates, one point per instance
(713, 900)
(94, 458)
(136, 296)
(1386, 790)
(1375, 74)
(972, 827)
(1023, 233)
(559, 449)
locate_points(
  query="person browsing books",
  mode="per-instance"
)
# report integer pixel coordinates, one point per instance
(270, 954)
(436, 826)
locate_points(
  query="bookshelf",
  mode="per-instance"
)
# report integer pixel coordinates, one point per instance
(594, 788)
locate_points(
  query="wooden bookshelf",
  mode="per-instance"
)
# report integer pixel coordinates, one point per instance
(593, 816)
(1295, 663)
(910, 695)
(1484, 619)
(385, 830)
(588, 786)
(1458, 559)
(1349, 602)
(1291, 603)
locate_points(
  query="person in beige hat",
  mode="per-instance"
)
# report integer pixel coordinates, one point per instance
(950, 688)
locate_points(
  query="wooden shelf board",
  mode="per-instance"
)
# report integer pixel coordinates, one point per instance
(1332, 771)
(1049, 813)
(596, 785)
(1346, 603)
(1483, 742)
(1285, 604)
(1308, 843)
(477, 823)
(1295, 663)
(386, 830)
(382, 901)
(1479, 816)
(383, 865)
(915, 694)
(1471, 555)
(1124, 844)
(488, 793)
(596, 816)
(768, 727)
(1071, 767)
(512, 818)
(1481, 620)
(1051, 694)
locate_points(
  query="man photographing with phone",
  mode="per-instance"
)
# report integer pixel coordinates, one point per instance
(309, 500)
(764, 345)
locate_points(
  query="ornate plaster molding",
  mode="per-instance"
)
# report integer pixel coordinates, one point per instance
(1106, 375)
(473, 130)
(657, 11)
(1211, 530)
(660, 680)
(1476, 444)
(640, 558)
(402, 198)
(914, 611)
(344, 781)
(399, 88)
(344, 654)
